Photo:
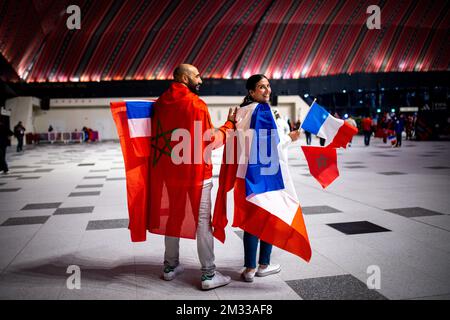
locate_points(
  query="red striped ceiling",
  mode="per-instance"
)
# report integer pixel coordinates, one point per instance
(136, 40)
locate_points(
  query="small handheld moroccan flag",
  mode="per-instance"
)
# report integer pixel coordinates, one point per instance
(322, 161)
(322, 164)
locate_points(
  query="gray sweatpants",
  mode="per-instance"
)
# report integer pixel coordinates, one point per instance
(205, 239)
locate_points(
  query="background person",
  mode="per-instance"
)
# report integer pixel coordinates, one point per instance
(5, 133)
(19, 133)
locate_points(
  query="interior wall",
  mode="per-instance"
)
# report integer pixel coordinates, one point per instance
(70, 118)
(66, 115)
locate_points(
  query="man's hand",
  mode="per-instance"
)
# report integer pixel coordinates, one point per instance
(232, 115)
(294, 135)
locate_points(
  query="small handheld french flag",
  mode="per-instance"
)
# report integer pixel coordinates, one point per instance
(336, 132)
(139, 113)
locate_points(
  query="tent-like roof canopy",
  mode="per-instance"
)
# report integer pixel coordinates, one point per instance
(137, 40)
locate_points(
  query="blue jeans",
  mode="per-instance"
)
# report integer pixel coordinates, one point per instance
(250, 246)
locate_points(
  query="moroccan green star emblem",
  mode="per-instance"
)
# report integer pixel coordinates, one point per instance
(322, 161)
(166, 148)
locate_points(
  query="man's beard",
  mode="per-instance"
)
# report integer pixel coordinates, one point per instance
(193, 87)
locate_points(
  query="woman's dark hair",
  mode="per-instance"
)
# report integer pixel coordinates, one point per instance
(251, 85)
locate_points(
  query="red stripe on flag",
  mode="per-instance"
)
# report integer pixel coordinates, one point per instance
(269, 228)
(137, 175)
(343, 136)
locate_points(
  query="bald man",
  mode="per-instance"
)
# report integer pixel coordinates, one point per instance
(188, 75)
(181, 194)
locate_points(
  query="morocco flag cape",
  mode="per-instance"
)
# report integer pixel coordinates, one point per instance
(164, 177)
(176, 188)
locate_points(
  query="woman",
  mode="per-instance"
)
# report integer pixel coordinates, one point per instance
(259, 91)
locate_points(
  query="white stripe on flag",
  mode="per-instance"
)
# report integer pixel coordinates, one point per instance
(139, 127)
(330, 128)
(279, 203)
(244, 117)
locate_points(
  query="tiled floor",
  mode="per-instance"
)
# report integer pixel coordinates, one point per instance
(386, 216)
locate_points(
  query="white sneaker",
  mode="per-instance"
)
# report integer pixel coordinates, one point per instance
(248, 276)
(170, 273)
(217, 280)
(270, 269)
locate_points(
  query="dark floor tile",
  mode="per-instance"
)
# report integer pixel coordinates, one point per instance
(10, 176)
(355, 167)
(43, 170)
(84, 186)
(37, 206)
(74, 210)
(25, 220)
(18, 167)
(357, 227)
(28, 178)
(2, 183)
(319, 210)
(391, 173)
(22, 172)
(437, 167)
(95, 177)
(305, 174)
(385, 155)
(354, 162)
(9, 190)
(414, 212)
(342, 287)
(84, 194)
(107, 224)
(116, 179)
(86, 164)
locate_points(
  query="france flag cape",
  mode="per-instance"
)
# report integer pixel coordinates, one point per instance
(132, 119)
(265, 201)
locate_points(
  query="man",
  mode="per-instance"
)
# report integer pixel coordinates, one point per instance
(399, 127)
(5, 133)
(281, 122)
(19, 133)
(366, 124)
(180, 194)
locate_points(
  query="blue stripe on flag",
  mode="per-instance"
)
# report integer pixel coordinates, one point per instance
(255, 181)
(139, 109)
(315, 118)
